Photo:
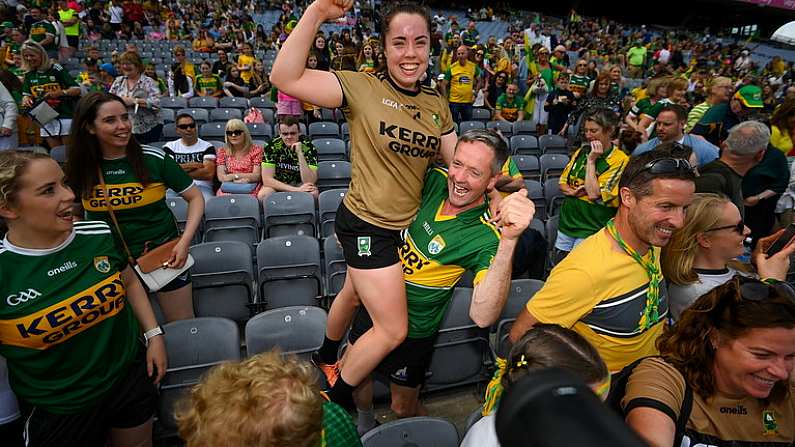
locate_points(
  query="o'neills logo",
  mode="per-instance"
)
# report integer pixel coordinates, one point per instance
(66, 318)
(68, 265)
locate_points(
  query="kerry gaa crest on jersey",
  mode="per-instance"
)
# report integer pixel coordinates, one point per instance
(363, 243)
(102, 264)
(769, 424)
(436, 245)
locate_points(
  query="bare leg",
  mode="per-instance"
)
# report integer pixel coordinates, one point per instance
(140, 436)
(177, 304)
(383, 293)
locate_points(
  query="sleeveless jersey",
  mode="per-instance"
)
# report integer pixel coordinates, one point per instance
(438, 249)
(395, 134)
(66, 329)
(141, 210)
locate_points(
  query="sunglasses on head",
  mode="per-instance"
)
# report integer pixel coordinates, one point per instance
(186, 126)
(665, 166)
(234, 133)
(739, 227)
(751, 289)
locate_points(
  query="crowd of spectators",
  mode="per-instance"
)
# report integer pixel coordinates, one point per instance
(676, 181)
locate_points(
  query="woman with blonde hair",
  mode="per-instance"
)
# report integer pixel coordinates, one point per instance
(720, 90)
(264, 401)
(700, 255)
(47, 80)
(239, 161)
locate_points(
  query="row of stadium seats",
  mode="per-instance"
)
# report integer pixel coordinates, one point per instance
(463, 352)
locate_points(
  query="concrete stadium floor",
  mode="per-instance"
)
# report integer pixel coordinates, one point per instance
(454, 405)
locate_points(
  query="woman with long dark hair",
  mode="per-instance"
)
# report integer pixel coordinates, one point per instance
(136, 178)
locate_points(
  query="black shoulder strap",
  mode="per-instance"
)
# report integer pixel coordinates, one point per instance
(684, 415)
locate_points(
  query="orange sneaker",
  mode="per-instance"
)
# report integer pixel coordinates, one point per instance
(330, 370)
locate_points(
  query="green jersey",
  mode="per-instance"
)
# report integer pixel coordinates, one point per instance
(37, 83)
(284, 162)
(438, 249)
(140, 209)
(208, 85)
(509, 109)
(579, 84)
(65, 326)
(641, 107)
(580, 216)
(39, 31)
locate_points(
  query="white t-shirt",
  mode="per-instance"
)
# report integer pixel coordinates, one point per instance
(681, 297)
(664, 56)
(197, 153)
(482, 433)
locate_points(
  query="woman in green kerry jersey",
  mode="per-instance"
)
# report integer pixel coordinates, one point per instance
(71, 318)
(590, 183)
(44, 79)
(136, 179)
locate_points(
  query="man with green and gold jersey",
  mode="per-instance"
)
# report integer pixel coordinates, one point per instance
(452, 233)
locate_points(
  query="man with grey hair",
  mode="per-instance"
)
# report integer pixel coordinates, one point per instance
(743, 149)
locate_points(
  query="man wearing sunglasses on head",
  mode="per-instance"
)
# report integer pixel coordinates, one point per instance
(610, 289)
(194, 155)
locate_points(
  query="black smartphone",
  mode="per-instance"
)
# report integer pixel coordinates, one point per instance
(782, 240)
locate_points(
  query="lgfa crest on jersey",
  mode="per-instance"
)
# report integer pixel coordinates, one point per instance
(102, 264)
(436, 245)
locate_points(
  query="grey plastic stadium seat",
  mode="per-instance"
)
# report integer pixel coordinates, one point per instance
(203, 102)
(333, 174)
(413, 432)
(476, 415)
(169, 131)
(328, 202)
(553, 196)
(528, 165)
(505, 128)
(260, 130)
(199, 115)
(482, 115)
(289, 213)
(261, 103)
(525, 145)
(179, 207)
(193, 347)
(468, 125)
(521, 290)
(213, 130)
(289, 271)
(297, 330)
(173, 102)
(552, 234)
(346, 131)
(535, 192)
(233, 102)
(225, 114)
(329, 149)
(461, 352)
(223, 280)
(552, 165)
(553, 144)
(335, 267)
(324, 129)
(234, 217)
(167, 115)
(524, 128)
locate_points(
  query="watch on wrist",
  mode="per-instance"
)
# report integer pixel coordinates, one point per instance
(152, 333)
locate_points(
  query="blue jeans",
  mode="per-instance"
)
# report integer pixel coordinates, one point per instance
(461, 111)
